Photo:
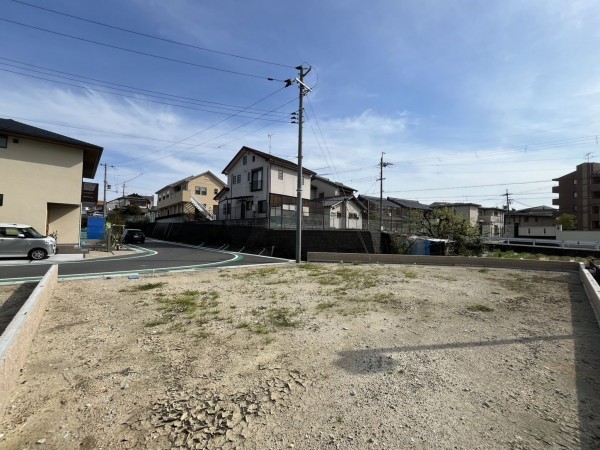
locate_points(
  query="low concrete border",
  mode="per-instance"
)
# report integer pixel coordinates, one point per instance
(592, 290)
(17, 337)
(499, 263)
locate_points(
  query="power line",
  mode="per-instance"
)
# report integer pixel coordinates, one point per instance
(143, 91)
(262, 116)
(165, 58)
(170, 41)
(203, 130)
(474, 186)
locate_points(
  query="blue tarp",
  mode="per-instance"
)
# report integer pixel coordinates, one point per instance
(96, 227)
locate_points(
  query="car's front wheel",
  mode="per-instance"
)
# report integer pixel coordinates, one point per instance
(37, 254)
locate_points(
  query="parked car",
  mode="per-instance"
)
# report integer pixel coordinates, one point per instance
(18, 240)
(133, 236)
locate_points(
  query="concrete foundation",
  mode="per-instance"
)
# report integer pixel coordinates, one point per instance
(16, 339)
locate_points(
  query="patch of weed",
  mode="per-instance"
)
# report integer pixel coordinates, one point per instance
(410, 274)
(479, 308)
(484, 270)
(149, 286)
(326, 305)
(156, 322)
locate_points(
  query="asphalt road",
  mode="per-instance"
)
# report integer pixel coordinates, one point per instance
(155, 257)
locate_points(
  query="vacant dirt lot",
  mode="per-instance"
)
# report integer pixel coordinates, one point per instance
(313, 356)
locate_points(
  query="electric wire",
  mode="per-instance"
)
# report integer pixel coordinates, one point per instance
(206, 129)
(261, 116)
(164, 58)
(143, 91)
(170, 41)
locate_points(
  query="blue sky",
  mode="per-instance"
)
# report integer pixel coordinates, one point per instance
(467, 98)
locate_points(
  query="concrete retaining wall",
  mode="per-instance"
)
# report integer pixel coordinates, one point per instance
(592, 290)
(16, 339)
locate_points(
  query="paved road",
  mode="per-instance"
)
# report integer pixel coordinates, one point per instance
(155, 257)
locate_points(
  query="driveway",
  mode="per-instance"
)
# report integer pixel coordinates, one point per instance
(153, 257)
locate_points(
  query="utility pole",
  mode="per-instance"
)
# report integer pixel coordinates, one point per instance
(304, 90)
(381, 166)
(507, 201)
(507, 212)
(104, 205)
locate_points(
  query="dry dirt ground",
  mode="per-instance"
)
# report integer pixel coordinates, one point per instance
(313, 356)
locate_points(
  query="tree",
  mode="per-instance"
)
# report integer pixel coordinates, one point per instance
(443, 223)
(568, 222)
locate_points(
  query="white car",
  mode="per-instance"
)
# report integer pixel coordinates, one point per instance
(18, 240)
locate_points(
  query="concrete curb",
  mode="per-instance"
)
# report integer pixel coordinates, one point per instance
(592, 290)
(499, 263)
(16, 339)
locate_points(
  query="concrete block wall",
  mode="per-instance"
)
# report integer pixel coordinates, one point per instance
(282, 241)
(16, 339)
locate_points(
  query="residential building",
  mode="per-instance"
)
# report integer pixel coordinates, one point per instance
(340, 209)
(343, 213)
(468, 211)
(390, 218)
(538, 222)
(579, 195)
(321, 187)
(262, 188)
(41, 178)
(190, 199)
(408, 208)
(491, 221)
(144, 202)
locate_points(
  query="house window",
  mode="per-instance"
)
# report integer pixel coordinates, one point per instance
(233, 178)
(200, 190)
(280, 174)
(216, 191)
(257, 180)
(239, 179)
(226, 208)
(574, 194)
(262, 206)
(575, 181)
(245, 160)
(1, 199)
(253, 158)
(526, 219)
(248, 206)
(3, 141)
(302, 181)
(321, 194)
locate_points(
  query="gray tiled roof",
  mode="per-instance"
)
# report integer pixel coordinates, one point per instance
(410, 204)
(91, 152)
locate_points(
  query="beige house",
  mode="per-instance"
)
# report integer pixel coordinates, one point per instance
(189, 199)
(41, 178)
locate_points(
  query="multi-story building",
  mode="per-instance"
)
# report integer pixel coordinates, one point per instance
(190, 199)
(263, 187)
(491, 221)
(579, 195)
(538, 222)
(41, 179)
